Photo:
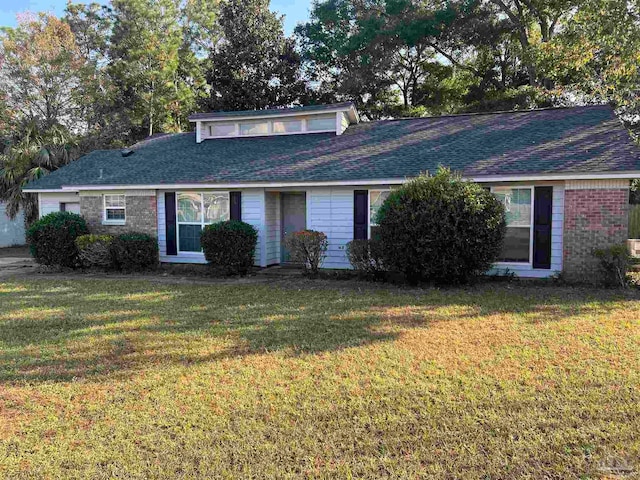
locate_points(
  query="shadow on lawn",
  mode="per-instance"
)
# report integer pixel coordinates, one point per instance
(82, 329)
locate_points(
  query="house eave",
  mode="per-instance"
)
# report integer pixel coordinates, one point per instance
(337, 183)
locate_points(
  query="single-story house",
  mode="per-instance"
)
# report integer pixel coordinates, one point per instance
(12, 231)
(563, 174)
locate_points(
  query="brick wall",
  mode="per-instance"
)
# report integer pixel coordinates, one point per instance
(596, 215)
(141, 215)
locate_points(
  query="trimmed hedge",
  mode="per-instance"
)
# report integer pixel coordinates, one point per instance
(135, 252)
(230, 246)
(441, 229)
(366, 258)
(615, 262)
(95, 250)
(52, 239)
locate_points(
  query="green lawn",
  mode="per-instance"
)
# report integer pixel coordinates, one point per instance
(131, 379)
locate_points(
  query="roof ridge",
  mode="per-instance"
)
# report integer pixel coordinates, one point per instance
(497, 112)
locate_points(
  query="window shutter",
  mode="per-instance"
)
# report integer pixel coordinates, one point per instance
(542, 219)
(235, 199)
(170, 221)
(360, 213)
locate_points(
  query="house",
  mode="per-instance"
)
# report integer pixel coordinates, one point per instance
(12, 232)
(562, 173)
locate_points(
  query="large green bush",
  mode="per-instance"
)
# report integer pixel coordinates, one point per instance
(229, 246)
(615, 263)
(52, 239)
(135, 252)
(441, 229)
(95, 250)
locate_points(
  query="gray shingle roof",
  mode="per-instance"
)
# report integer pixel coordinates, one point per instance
(569, 140)
(272, 111)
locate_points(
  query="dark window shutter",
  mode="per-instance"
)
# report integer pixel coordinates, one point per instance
(542, 217)
(236, 205)
(360, 213)
(170, 221)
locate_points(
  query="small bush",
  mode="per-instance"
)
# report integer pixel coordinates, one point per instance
(95, 250)
(366, 258)
(230, 246)
(441, 229)
(308, 248)
(52, 239)
(615, 263)
(134, 252)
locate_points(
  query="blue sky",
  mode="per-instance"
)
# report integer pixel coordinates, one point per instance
(294, 10)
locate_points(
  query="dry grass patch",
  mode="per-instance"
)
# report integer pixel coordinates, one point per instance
(131, 379)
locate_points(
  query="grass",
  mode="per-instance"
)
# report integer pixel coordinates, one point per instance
(131, 379)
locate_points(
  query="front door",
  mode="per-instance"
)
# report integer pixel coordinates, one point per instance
(294, 217)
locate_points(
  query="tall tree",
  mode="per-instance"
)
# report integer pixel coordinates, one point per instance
(254, 66)
(37, 153)
(39, 63)
(144, 60)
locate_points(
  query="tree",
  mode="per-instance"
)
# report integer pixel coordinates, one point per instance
(34, 155)
(144, 61)
(39, 63)
(254, 66)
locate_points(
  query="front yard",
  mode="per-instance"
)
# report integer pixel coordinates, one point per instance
(132, 379)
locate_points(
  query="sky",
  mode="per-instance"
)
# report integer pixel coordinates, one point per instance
(295, 11)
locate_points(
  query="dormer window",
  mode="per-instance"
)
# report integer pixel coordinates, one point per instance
(283, 121)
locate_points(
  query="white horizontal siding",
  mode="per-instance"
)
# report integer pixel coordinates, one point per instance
(273, 227)
(252, 213)
(330, 211)
(50, 202)
(11, 231)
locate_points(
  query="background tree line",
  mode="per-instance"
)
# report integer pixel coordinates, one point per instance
(107, 76)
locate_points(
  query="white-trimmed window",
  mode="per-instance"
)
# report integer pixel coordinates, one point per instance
(321, 123)
(518, 205)
(376, 199)
(195, 210)
(115, 209)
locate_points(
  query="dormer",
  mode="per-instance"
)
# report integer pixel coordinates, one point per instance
(334, 118)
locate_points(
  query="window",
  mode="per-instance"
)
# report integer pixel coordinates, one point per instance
(321, 123)
(194, 211)
(114, 209)
(222, 129)
(254, 128)
(287, 126)
(376, 199)
(518, 204)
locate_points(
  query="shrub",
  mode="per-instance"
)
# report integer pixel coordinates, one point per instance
(366, 258)
(441, 229)
(135, 251)
(52, 239)
(308, 248)
(230, 246)
(95, 250)
(615, 263)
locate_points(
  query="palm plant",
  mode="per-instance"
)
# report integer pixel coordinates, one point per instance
(35, 154)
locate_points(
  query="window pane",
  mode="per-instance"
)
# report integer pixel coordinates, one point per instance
(189, 238)
(114, 200)
(327, 122)
(376, 199)
(115, 214)
(287, 126)
(189, 207)
(216, 207)
(222, 129)
(517, 204)
(516, 245)
(254, 128)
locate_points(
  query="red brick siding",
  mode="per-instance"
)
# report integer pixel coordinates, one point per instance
(593, 219)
